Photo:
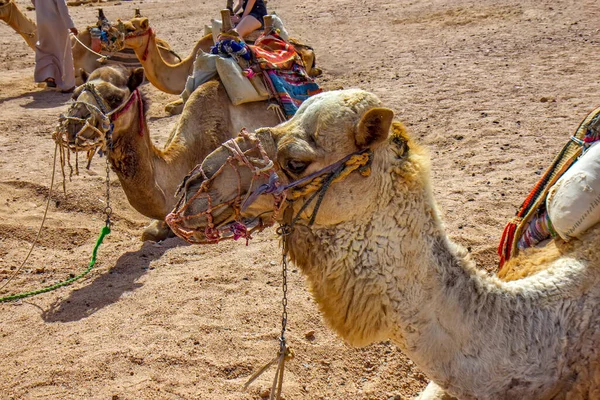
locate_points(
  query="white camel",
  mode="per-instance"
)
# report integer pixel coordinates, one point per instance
(380, 265)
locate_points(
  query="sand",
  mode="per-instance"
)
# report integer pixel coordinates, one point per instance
(493, 88)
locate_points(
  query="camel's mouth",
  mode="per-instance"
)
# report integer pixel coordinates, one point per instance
(207, 215)
(134, 28)
(82, 129)
(133, 33)
(217, 195)
(88, 124)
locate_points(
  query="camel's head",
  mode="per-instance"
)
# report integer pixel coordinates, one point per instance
(5, 11)
(324, 152)
(135, 31)
(104, 97)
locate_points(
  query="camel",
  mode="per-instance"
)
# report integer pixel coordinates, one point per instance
(171, 78)
(83, 59)
(149, 175)
(380, 265)
(165, 76)
(14, 17)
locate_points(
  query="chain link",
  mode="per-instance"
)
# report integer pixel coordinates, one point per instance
(284, 231)
(284, 301)
(108, 209)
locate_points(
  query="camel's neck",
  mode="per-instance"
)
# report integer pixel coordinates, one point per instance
(142, 168)
(150, 176)
(396, 275)
(12, 15)
(169, 78)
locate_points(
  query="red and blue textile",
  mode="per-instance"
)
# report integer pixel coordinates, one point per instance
(291, 88)
(284, 72)
(281, 65)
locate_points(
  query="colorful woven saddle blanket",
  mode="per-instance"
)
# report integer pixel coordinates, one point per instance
(281, 65)
(531, 224)
(106, 42)
(285, 72)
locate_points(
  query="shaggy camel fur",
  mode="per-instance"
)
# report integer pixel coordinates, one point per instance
(150, 176)
(380, 265)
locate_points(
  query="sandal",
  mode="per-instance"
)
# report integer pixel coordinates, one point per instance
(50, 82)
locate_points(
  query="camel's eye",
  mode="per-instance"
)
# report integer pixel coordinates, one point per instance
(296, 167)
(114, 101)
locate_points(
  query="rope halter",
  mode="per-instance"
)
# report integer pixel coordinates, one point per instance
(130, 35)
(260, 166)
(311, 187)
(96, 128)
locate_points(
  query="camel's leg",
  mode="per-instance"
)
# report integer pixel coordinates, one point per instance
(175, 108)
(434, 392)
(157, 231)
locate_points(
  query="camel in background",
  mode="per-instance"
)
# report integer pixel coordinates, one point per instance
(14, 17)
(149, 175)
(171, 77)
(83, 59)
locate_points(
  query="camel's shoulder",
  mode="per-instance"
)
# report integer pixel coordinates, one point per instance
(557, 254)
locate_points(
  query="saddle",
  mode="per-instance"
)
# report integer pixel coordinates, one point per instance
(532, 222)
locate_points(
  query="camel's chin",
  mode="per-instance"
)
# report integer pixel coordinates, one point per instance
(227, 229)
(79, 137)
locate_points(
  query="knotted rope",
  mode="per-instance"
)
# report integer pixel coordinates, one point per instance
(260, 166)
(97, 127)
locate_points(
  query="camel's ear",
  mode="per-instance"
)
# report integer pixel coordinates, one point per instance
(144, 23)
(77, 92)
(267, 141)
(84, 75)
(373, 127)
(135, 79)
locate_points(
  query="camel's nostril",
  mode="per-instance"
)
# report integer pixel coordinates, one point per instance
(73, 129)
(75, 126)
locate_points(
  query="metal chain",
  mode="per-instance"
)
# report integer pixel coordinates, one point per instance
(284, 231)
(108, 209)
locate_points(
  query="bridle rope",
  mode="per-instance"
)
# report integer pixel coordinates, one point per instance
(148, 32)
(102, 135)
(261, 166)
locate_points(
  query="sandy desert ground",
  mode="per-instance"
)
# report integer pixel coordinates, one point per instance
(493, 88)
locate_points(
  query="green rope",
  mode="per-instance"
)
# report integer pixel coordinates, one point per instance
(105, 231)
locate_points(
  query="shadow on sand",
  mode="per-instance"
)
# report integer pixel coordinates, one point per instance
(108, 288)
(41, 99)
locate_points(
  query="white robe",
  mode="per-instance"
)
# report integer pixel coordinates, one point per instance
(53, 56)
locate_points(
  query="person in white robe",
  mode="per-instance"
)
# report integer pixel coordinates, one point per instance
(53, 56)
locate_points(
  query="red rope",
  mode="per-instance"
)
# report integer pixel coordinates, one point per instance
(146, 32)
(145, 56)
(135, 97)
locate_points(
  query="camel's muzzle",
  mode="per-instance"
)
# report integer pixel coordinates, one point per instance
(86, 124)
(214, 193)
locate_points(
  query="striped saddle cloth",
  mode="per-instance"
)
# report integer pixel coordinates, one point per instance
(125, 57)
(531, 224)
